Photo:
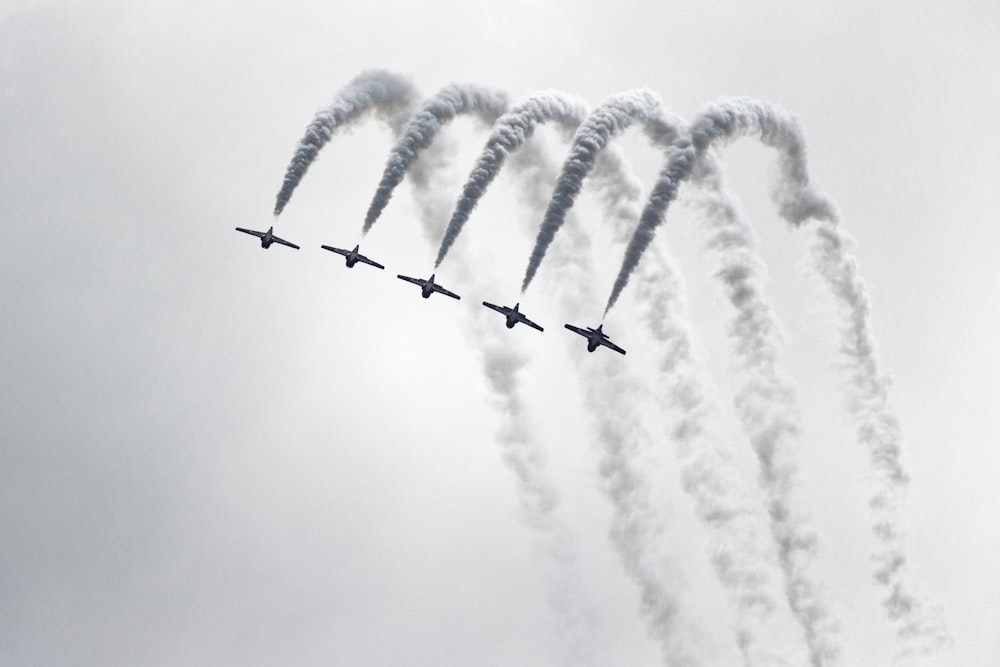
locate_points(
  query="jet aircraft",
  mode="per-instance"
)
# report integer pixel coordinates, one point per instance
(595, 338)
(352, 256)
(428, 287)
(513, 315)
(267, 238)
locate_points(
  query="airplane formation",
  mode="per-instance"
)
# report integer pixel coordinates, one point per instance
(595, 337)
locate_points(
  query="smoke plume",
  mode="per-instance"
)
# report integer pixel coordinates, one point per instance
(388, 95)
(766, 404)
(708, 474)
(452, 100)
(607, 121)
(509, 133)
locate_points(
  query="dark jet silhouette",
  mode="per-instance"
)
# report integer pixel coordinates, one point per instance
(267, 238)
(513, 315)
(353, 256)
(428, 287)
(595, 338)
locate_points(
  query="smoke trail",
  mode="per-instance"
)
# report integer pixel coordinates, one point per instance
(920, 628)
(708, 474)
(723, 121)
(610, 396)
(766, 403)
(607, 121)
(538, 497)
(384, 93)
(509, 133)
(420, 131)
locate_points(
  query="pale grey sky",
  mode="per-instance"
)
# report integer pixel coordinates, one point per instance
(211, 454)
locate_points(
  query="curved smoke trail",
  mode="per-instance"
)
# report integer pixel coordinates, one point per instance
(636, 527)
(607, 121)
(708, 473)
(766, 403)
(388, 95)
(920, 628)
(538, 497)
(510, 131)
(452, 100)
(722, 121)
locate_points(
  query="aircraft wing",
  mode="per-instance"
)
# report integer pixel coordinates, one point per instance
(283, 242)
(259, 235)
(607, 343)
(415, 281)
(438, 288)
(531, 324)
(500, 309)
(582, 332)
(364, 259)
(339, 251)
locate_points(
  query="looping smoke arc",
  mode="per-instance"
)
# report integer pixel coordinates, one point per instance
(451, 101)
(388, 95)
(765, 399)
(606, 122)
(509, 133)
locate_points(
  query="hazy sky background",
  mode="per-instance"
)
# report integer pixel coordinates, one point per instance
(214, 455)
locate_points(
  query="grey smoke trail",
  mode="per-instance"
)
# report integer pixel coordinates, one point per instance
(708, 473)
(721, 122)
(610, 396)
(766, 403)
(538, 497)
(509, 133)
(920, 627)
(384, 93)
(452, 100)
(607, 121)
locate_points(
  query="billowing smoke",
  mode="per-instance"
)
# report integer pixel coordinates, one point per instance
(920, 627)
(637, 529)
(919, 630)
(708, 474)
(510, 131)
(606, 122)
(721, 122)
(388, 95)
(766, 404)
(452, 100)
(538, 497)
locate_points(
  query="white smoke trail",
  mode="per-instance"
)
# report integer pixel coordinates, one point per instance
(920, 627)
(452, 100)
(708, 473)
(503, 364)
(509, 133)
(637, 531)
(388, 95)
(606, 122)
(919, 630)
(766, 403)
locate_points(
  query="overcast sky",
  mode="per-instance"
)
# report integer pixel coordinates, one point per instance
(216, 455)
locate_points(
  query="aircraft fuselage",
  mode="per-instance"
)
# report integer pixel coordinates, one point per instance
(352, 258)
(266, 239)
